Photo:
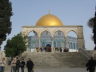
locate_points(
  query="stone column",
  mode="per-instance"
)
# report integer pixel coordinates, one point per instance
(52, 50)
(39, 43)
(65, 41)
(80, 43)
(80, 37)
(25, 34)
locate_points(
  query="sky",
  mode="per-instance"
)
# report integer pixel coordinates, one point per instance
(70, 12)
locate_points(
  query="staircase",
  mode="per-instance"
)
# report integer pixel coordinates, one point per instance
(56, 60)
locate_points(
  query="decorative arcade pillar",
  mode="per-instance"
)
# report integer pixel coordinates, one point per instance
(39, 43)
(25, 34)
(52, 50)
(80, 37)
(65, 42)
(80, 43)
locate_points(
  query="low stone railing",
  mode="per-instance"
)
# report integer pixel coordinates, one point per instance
(85, 53)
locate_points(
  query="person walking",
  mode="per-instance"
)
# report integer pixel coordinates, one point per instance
(91, 65)
(30, 65)
(13, 65)
(2, 65)
(17, 64)
(22, 64)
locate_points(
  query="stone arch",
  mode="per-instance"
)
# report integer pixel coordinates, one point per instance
(71, 40)
(73, 31)
(58, 39)
(44, 31)
(58, 30)
(31, 44)
(31, 31)
(45, 37)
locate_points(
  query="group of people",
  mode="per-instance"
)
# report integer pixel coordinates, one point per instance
(44, 49)
(16, 64)
(62, 50)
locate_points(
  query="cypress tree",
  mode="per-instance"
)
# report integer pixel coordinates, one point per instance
(92, 24)
(5, 23)
(94, 30)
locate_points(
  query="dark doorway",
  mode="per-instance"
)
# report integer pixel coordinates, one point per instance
(48, 48)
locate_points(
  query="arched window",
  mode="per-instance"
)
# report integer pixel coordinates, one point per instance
(63, 44)
(32, 39)
(71, 45)
(59, 32)
(29, 44)
(59, 44)
(54, 44)
(77, 46)
(46, 32)
(72, 36)
(34, 45)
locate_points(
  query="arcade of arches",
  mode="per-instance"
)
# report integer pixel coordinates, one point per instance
(51, 32)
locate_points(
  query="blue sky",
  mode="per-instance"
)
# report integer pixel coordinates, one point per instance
(70, 12)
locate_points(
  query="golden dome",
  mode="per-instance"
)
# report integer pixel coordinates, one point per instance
(49, 20)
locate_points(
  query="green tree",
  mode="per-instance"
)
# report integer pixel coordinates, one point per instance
(15, 45)
(5, 24)
(92, 24)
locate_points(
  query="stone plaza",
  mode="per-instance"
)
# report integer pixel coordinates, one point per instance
(56, 70)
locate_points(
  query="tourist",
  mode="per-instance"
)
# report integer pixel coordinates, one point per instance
(29, 65)
(13, 65)
(2, 65)
(91, 65)
(60, 49)
(49, 49)
(22, 64)
(41, 49)
(37, 49)
(66, 50)
(17, 64)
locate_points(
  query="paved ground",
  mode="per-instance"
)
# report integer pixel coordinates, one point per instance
(56, 70)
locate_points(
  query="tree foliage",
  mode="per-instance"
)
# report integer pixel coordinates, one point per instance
(92, 24)
(5, 24)
(16, 45)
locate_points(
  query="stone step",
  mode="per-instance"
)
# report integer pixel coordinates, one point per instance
(49, 59)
